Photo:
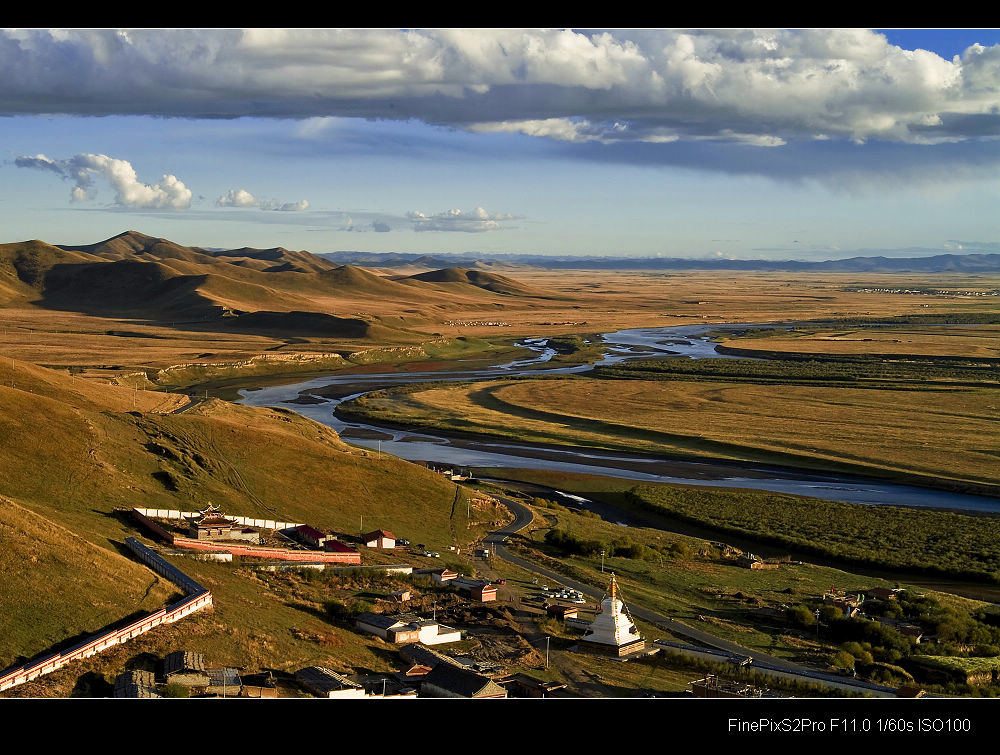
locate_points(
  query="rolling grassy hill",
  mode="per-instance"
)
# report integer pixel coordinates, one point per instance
(132, 275)
(72, 451)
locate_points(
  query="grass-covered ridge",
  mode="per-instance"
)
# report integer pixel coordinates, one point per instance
(90, 454)
(856, 372)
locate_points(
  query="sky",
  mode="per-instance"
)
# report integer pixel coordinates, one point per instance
(703, 143)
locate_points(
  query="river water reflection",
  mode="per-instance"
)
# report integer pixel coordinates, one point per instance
(687, 340)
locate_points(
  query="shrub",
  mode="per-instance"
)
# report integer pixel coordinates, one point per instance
(176, 690)
(800, 616)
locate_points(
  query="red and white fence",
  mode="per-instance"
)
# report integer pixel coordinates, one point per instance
(243, 549)
(197, 598)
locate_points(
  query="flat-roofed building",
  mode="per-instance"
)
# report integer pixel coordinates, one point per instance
(136, 683)
(185, 667)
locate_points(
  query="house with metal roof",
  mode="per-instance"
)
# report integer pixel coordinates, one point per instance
(475, 589)
(446, 680)
(324, 682)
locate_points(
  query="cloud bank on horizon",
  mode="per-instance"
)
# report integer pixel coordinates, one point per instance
(749, 87)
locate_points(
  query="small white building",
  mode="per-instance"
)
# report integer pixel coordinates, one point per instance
(407, 628)
(381, 539)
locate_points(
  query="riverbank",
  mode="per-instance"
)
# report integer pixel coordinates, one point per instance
(728, 423)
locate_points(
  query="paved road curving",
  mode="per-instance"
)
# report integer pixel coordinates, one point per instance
(523, 517)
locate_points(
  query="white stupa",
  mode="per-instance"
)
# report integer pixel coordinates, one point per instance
(613, 632)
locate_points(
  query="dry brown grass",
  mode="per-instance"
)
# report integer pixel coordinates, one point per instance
(959, 341)
(603, 300)
(56, 584)
(948, 434)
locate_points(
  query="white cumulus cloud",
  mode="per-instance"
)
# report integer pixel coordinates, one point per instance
(82, 169)
(473, 221)
(243, 198)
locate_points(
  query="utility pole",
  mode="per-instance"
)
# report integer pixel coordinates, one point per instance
(547, 651)
(602, 562)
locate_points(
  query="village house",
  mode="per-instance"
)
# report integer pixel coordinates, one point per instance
(260, 685)
(184, 667)
(136, 684)
(849, 603)
(562, 612)
(310, 535)
(210, 525)
(522, 685)
(421, 657)
(379, 539)
(333, 545)
(475, 589)
(224, 682)
(406, 628)
(324, 682)
(440, 576)
(446, 680)
(712, 686)
(750, 561)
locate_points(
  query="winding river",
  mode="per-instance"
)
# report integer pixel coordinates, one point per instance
(687, 340)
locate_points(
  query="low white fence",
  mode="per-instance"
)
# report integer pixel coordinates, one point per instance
(267, 524)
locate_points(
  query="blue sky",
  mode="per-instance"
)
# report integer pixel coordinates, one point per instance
(804, 144)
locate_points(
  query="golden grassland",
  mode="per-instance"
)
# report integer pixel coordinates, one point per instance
(947, 434)
(581, 301)
(73, 449)
(73, 452)
(953, 340)
(95, 586)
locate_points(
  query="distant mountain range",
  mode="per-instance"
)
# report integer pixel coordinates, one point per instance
(940, 263)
